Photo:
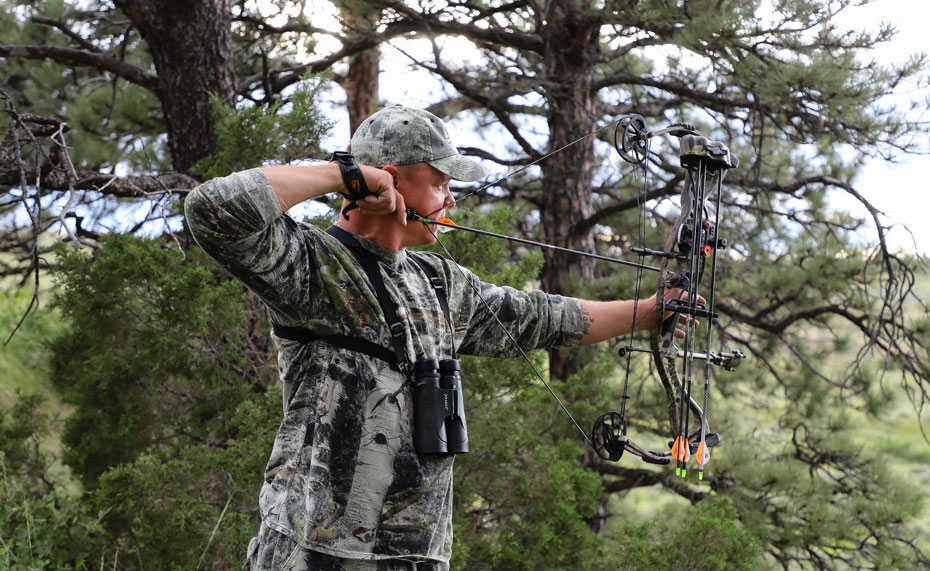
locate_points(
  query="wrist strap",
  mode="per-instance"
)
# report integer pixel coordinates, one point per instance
(352, 176)
(353, 180)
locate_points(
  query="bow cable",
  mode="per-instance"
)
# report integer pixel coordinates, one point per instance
(526, 166)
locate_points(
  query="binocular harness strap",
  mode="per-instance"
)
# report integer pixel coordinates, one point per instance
(397, 357)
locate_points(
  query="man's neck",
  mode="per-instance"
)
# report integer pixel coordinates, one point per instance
(382, 230)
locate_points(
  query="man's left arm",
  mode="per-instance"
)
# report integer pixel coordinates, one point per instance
(608, 319)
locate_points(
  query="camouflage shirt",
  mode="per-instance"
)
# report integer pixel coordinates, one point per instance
(343, 477)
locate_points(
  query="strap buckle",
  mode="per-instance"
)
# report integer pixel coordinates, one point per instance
(437, 283)
(397, 329)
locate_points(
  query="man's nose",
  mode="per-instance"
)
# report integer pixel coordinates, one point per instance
(449, 201)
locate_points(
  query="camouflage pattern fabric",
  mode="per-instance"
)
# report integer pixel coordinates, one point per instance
(274, 551)
(398, 135)
(343, 478)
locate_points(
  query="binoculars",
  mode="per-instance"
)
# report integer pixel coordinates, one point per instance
(438, 407)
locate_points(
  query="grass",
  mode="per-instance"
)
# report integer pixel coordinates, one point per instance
(24, 364)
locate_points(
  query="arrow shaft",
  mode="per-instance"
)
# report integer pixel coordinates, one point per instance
(543, 245)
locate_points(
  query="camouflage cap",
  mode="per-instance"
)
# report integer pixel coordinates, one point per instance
(400, 135)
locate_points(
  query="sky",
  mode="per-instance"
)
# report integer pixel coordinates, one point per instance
(900, 190)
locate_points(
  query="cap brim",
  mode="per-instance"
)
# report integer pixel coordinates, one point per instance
(459, 168)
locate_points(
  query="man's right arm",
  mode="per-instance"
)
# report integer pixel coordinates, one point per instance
(239, 222)
(295, 184)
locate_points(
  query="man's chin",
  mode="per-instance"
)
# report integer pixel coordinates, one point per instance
(425, 238)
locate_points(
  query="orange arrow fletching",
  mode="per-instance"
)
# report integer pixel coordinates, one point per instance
(680, 450)
(703, 454)
(446, 221)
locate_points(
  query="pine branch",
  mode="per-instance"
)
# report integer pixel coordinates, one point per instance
(76, 57)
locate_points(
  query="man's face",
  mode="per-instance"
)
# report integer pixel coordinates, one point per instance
(426, 191)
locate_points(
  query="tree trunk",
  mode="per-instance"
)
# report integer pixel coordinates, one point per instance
(571, 48)
(191, 46)
(361, 81)
(361, 86)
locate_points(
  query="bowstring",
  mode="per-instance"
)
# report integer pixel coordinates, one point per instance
(524, 167)
(510, 336)
(641, 223)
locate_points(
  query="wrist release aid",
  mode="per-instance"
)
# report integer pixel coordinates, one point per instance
(352, 178)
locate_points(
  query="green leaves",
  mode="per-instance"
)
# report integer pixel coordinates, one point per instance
(45, 531)
(247, 136)
(156, 351)
(708, 536)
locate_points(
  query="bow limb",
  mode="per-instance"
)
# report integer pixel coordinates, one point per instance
(625, 443)
(665, 353)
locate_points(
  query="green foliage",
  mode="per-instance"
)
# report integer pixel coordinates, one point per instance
(111, 120)
(178, 502)
(708, 537)
(247, 136)
(23, 364)
(22, 430)
(155, 354)
(44, 531)
(831, 490)
(171, 424)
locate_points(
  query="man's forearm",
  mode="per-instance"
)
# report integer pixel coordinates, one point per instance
(295, 184)
(609, 319)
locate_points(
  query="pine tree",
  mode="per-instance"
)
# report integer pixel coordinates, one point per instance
(784, 89)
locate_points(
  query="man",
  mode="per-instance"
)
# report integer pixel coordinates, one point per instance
(345, 487)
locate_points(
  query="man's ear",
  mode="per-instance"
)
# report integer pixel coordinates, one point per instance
(393, 171)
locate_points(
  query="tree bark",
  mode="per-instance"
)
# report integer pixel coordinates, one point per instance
(361, 81)
(361, 86)
(191, 46)
(571, 48)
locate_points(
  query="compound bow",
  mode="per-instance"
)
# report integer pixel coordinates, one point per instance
(694, 240)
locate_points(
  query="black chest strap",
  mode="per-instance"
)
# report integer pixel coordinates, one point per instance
(398, 357)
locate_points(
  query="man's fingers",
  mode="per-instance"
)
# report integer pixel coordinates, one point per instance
(683, 320)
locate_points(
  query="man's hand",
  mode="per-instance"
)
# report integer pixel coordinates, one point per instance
(385, 200)
(677, 293)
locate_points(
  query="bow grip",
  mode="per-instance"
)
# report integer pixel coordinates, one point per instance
(682, 280)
